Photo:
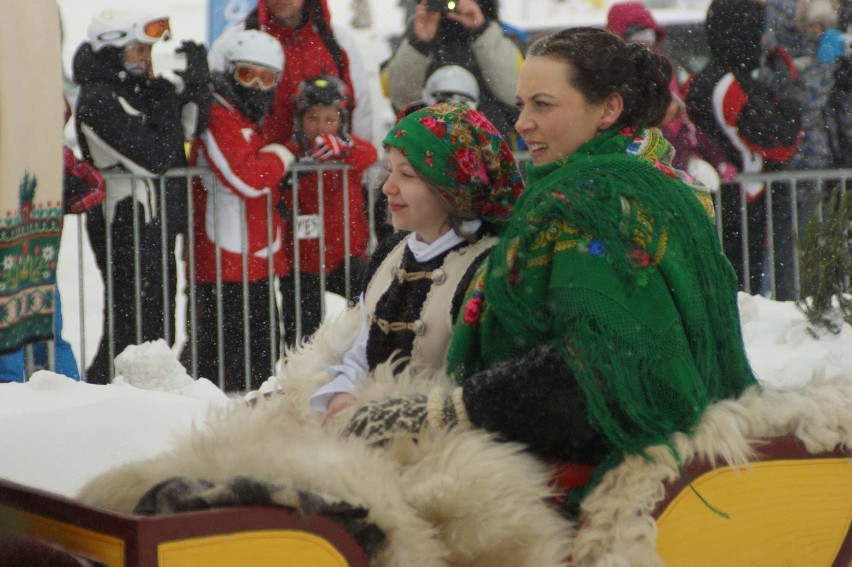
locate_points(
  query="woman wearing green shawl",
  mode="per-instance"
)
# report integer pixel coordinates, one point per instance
(605, 319)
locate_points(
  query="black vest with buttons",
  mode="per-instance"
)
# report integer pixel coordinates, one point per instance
(396, 321)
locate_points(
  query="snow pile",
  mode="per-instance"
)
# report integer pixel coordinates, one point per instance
(153, 366)
(781, 349)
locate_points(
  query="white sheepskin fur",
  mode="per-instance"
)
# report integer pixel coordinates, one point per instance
(459, 498)
(455, 498)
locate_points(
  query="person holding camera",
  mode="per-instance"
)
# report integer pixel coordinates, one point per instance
(130, 121)
(461, 32)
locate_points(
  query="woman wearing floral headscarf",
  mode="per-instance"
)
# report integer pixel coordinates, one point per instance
(451, 187)
(605, 319)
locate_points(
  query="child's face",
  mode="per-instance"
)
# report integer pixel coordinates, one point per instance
(412, 204)
(320, 120)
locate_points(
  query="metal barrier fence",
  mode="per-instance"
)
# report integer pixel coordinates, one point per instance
(158, 203)
(759, 237)
(762, 257)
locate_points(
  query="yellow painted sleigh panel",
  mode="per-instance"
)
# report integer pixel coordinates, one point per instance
(780, 512)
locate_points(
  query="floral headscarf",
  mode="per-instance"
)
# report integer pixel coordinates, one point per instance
(458, 150)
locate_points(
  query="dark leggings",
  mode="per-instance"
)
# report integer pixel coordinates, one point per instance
(257, 326)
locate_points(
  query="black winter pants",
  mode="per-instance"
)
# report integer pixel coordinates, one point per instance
(311, 296)
(126, 252)
(237, 333)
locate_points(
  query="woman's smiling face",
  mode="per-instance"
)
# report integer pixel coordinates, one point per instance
(555, 118)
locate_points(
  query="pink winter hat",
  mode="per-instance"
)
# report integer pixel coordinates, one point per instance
(625, 16)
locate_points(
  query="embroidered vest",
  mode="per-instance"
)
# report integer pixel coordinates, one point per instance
(434, 325)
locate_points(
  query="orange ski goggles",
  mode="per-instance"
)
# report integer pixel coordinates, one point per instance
(153, 30)
(249, 75)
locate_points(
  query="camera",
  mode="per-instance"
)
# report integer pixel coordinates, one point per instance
(442, 6)
(166, 60)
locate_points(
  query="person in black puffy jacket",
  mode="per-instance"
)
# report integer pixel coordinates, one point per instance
(129, 121)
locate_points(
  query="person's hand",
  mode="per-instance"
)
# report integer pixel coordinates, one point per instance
(727, 172)
(379, 422)
(469, 14)
(159, 88)
(197, 71)
(196, 77)
(425, 23)
(338, 403)
(286, 156)
(327, 147)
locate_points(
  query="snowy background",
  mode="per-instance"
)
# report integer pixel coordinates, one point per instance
(58, 433)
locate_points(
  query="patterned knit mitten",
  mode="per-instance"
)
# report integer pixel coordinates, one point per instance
(379, 422)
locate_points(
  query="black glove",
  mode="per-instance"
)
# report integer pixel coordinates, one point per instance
(536, 400)
(197, 86)
(160, 89)
(197, 74)
(379, 422)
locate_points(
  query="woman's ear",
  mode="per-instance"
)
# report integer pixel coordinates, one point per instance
(613, 105)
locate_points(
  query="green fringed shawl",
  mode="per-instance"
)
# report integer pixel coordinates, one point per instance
(612, 257)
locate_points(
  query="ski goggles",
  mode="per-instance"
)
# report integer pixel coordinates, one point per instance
(152, 30)
(249, 75)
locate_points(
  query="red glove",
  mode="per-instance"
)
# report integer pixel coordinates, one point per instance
(85, 187)
(330, 147)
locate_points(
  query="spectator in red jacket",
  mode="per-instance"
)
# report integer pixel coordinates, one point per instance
(311, 47)
(321, 134)
(232, 216)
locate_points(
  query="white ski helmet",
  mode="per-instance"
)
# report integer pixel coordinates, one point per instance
(248, 46)
(117, 28)
(451, 83)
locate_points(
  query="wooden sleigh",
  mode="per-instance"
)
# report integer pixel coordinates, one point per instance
(786, 507)
(256, 536)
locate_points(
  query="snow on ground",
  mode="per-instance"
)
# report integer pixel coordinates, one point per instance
(58, 433)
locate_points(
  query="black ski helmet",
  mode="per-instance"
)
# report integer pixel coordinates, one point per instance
(324, 90)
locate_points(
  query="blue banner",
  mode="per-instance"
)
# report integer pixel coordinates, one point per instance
(225, 13)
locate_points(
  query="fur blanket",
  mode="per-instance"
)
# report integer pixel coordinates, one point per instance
(459, 498)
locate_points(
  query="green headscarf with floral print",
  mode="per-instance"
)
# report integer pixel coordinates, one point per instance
(461, 153)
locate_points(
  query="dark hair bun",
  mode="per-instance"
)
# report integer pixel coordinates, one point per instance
(602, 63)
(650, 81)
